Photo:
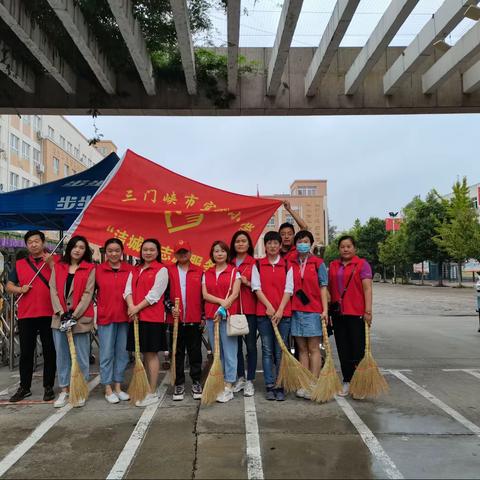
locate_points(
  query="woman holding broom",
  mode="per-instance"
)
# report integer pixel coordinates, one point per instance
(309, 304)
(112, 319)
(144, 291)
(220, 288)
(71, 289)
(350, 287)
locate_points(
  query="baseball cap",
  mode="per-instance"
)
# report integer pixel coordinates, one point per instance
(182, 245)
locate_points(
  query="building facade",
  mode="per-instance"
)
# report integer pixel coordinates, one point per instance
(36, 149)
(308, 198)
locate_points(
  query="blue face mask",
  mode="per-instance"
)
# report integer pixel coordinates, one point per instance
(303, 247)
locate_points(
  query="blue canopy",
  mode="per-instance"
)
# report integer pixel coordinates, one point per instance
(53, 205)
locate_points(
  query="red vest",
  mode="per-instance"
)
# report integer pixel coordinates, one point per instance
(272, 280)
(353, 302)
(309, 284)
(248, 298)
(193, 309)
(111, 307)
(219, 288)
(79, 284)
(36, 302)
(141, 285)
(290, 254)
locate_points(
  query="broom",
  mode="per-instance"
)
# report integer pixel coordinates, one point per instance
(367, 381)
(214, 384)
(139, 386)
(292, 375)
(329, 383)
(78, 385)
(173, 364)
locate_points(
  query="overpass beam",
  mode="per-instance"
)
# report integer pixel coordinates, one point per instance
(14, 14)
(464, 50)
(337, 26)
(74, 22)
(16, 70)
(471, 79)
(133, 37)
(185, 43)
(286, 28)
(233, 39)
(443, 21)
(393, 18)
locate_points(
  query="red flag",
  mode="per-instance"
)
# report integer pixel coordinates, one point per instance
(143, 200)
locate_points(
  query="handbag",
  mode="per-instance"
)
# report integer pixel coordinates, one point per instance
(237, 324)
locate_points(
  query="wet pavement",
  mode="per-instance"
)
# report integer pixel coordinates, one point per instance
(428, 426)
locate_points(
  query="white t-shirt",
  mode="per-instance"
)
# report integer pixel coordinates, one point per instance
(157, 290)
(257, 285)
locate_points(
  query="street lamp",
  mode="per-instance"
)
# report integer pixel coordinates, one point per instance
(393, 216)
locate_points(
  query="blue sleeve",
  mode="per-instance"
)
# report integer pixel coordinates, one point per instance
(12, 276)
(323, 275)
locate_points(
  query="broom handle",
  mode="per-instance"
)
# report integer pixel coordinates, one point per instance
(136, 334)
(173, 364)
(367, 339)
(326, 341)
(216, 349)
(280, 339)
(71, 345)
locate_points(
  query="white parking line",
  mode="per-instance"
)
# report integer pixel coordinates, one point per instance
(391, 470)
(436, 401)
(127, 455)
(254, 455)
(474, 372)
(22, 448)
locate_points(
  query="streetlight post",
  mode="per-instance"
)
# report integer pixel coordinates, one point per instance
(393, 216)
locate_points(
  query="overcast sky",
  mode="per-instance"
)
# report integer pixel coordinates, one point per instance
(373, 164)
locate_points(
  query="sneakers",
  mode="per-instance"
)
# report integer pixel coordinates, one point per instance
(61, 401)
(345, 389)
(48, 394)
(112, 398)
(249, 390)
(226, 395)
(270, 395)
(20, 394)
(197, 391)
(150, 399)
(178, 393)
(123, 396)
(239, 385)
(81, 403)
(300, 393)
(279, 394)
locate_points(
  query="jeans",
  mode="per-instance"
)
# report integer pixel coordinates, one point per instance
(251, 342)
(113, 352)
(64, 362)
(271, 351)
(28, 329)
(228, 350)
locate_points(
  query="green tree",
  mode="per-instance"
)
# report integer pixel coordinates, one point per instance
(393, 252)
(368, 237)
(459, 233)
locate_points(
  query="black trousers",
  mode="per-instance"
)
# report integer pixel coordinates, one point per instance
(349, 334)
(189, 339)
(28, 329)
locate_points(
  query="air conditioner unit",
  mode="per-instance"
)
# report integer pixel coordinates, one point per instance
(40, 167)
(39, 135)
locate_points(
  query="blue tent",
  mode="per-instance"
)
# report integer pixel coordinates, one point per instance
(53, 205)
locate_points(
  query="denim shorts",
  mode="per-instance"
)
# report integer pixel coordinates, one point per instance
(306, 324)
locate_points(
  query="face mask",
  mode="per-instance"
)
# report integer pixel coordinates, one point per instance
(303, 247)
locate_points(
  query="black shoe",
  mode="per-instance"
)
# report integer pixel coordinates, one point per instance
(49, 394)
(20, 394)
(178, 393)
(197, 391)
(270, 395)
(279, 394)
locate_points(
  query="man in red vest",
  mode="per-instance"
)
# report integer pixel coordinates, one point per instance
(34, 314)
(185, 283)
(287, 231)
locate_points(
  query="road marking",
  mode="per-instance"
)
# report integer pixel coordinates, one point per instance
(9, 389)
(370, 440)
(22, 448)
(474, 372)
(254, 454)
(127, 455)
(436, 401)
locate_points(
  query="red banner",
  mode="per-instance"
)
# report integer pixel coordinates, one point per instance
(144, 200)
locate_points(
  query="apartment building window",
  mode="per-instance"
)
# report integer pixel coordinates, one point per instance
(25, 182)
(475, 203)
(289, 219)
(13, 181)
(26, 151)
(36, 155)
(66, 170)
(62, 142)
(76, 152)
(271, 222)
(69, 148)
(84, 159)
(56, 166)
(51, 133)
(37, 123)
(14, 143)
(26, 119)
(306, 191)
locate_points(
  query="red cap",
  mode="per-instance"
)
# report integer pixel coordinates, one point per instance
(182, 245)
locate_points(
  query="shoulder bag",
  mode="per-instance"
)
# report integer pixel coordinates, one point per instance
(237, 324)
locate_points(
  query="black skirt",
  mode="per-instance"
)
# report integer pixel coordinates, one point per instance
(153, 337)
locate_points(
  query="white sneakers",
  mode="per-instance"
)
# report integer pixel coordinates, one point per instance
(245, 385)
(62, 400)
(345, 389)
(115, 397)
(302, 393)
(81, 403)
(226, 395)
(239, 385)
(150, 399)
(123, 396)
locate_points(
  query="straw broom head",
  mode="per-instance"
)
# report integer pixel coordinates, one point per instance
(214, 384)
(367, 381)
(291, 374)
(139, 386)
(328, 384)
(78, 385)
(173, 363)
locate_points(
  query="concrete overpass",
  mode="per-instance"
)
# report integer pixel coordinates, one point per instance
(427, 76)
